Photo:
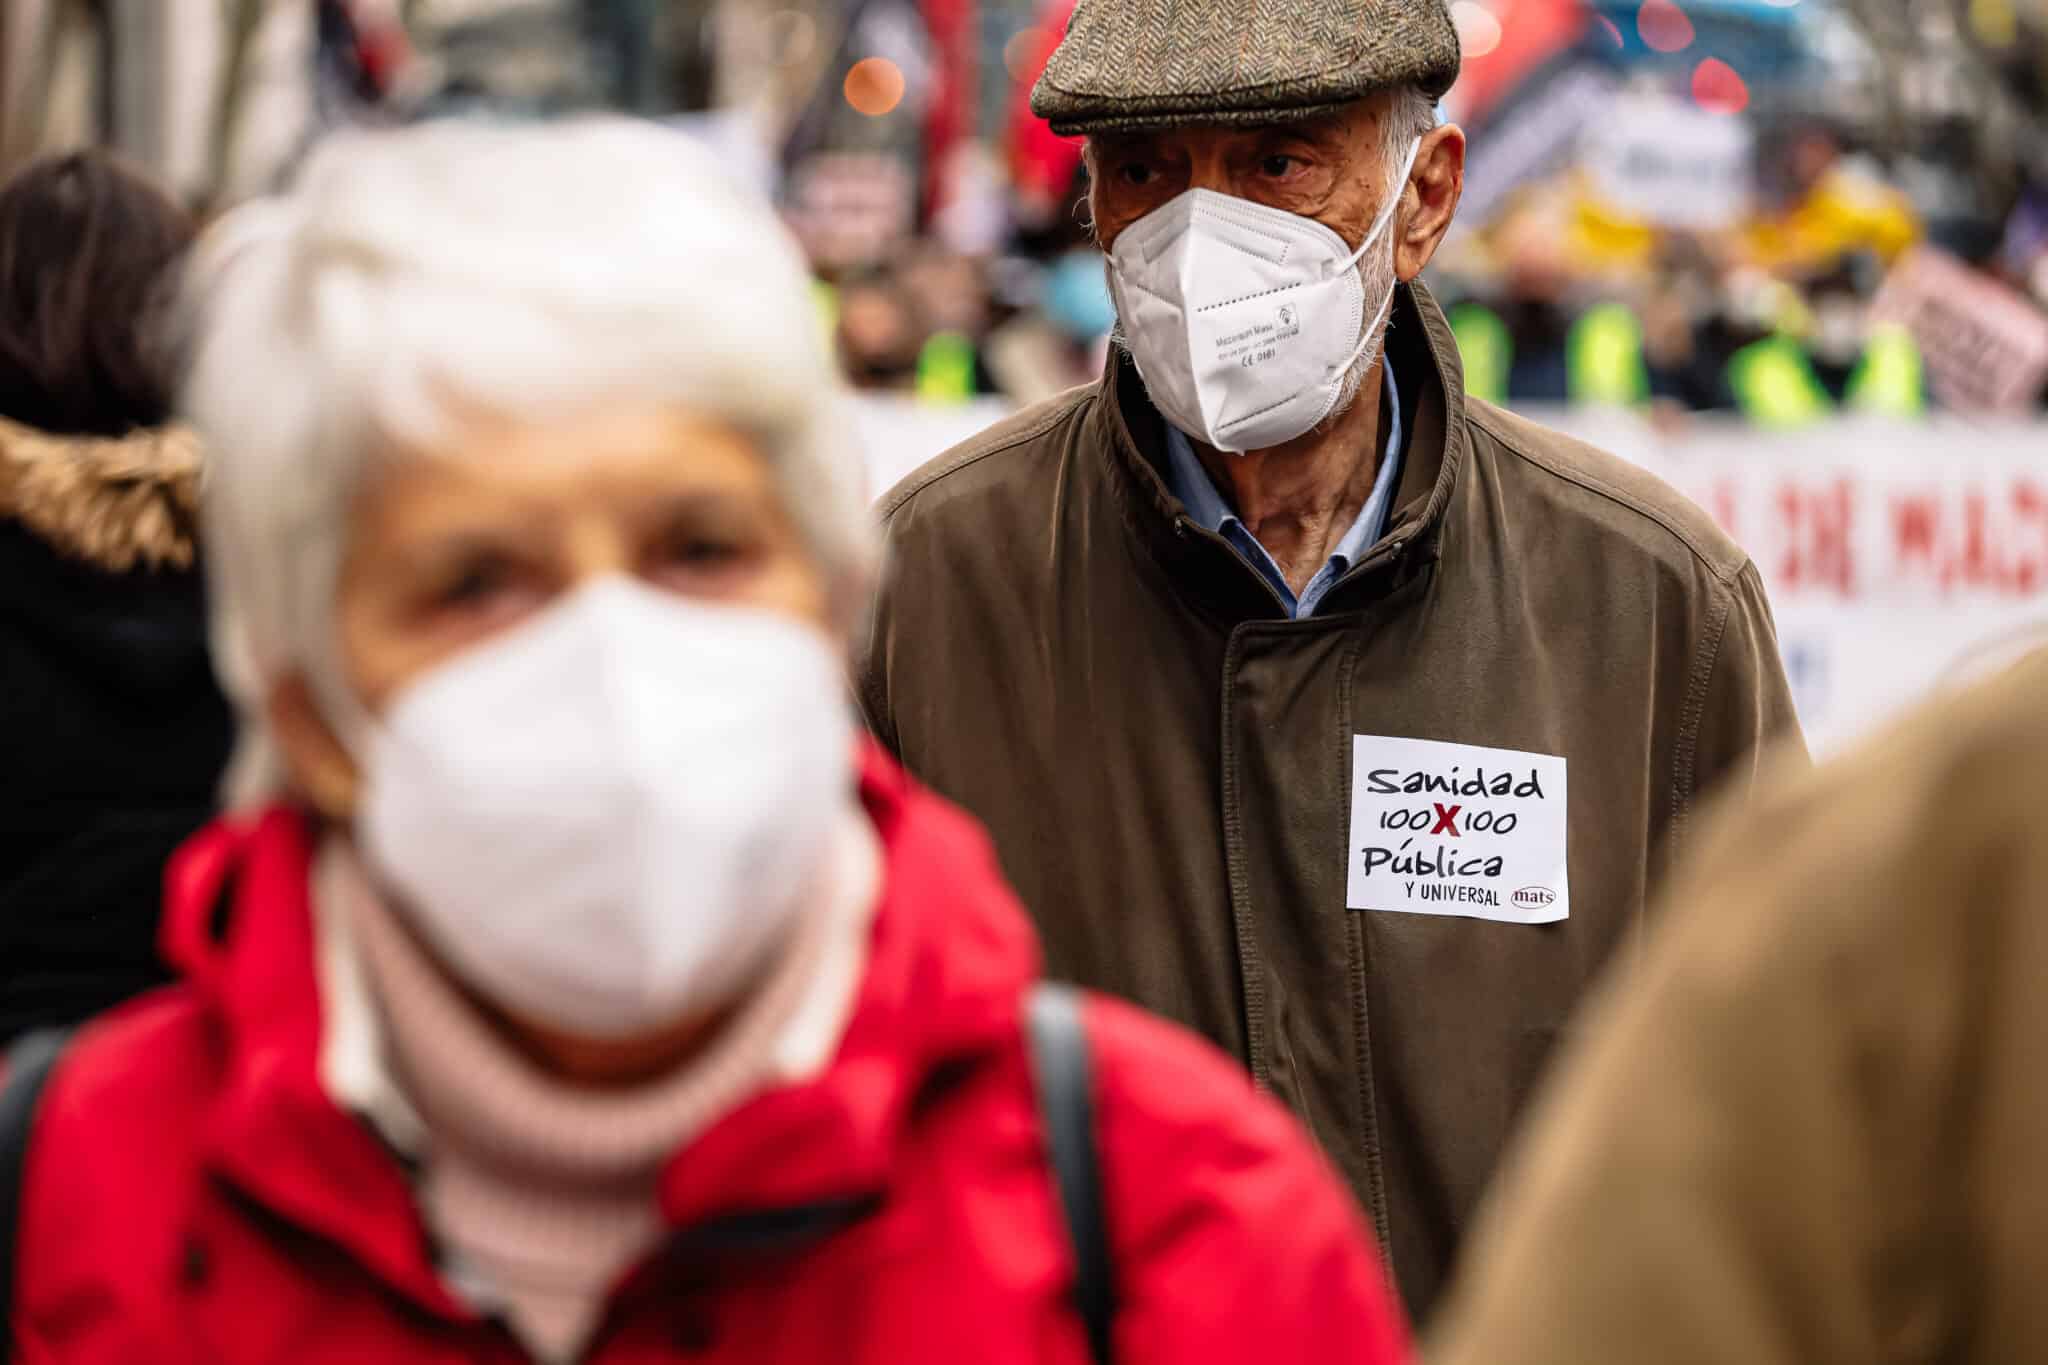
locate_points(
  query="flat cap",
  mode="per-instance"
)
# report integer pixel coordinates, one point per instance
(1133, 64)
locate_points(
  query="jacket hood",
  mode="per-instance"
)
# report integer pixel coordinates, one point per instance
(117, 503)
(950, 957)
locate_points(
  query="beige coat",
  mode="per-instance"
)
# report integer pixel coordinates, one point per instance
(1812, 1127)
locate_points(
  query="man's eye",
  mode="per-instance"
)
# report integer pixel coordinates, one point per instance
(1136, 173)
(1279, 167)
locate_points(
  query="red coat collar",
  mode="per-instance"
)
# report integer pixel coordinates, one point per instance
(950, 955)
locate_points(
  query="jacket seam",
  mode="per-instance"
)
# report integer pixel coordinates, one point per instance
(874, 699)
(1248, 963)
(1685, 763)
(1724, 574)
(1361, 977)
(965, 458)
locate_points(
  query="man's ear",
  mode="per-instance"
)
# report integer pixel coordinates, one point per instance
(321, 770)
(1436, 184)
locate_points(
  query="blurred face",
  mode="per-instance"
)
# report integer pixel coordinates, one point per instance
(877, 333)
(453, 546)
(949, 291)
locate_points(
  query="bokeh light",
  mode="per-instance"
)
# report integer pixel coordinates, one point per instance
(1611, 29)
(874, 86)
(1478, 29)
(1719, 88)
(1022, 52)
(1664, 26)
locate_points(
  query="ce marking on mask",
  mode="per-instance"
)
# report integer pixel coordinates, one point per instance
(1260, 342)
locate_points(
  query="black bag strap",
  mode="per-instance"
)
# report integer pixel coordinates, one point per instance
(30, 1060)
(1059, 1063)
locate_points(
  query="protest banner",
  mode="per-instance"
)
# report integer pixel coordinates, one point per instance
(1985, 347)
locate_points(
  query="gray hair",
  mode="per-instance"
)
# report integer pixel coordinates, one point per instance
(1411, 114)
(525, 270)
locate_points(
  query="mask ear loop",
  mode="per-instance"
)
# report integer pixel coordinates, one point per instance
(1365, 336)
(1386, 216)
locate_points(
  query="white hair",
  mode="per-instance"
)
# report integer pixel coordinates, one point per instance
(524, 270)
(1410, 114)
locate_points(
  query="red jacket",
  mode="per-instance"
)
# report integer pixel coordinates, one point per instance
(192, 1194)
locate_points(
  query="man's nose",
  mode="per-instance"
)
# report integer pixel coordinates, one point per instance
(1211, 172)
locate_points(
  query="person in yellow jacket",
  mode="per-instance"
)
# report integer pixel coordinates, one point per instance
(1839, 205)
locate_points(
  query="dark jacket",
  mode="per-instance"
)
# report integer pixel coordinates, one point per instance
(896, 1208)
(115, 730)
(1809, 1127)
(1166, 761)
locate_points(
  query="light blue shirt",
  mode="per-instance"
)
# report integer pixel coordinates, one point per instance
(1197, 491)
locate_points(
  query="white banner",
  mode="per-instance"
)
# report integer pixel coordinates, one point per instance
(1898, 557)
(1667, 161)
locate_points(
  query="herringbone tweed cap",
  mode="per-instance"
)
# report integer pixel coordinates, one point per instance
(1130, 64)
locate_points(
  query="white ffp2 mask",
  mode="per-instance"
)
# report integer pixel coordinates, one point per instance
(1245, 320)
(609, 817)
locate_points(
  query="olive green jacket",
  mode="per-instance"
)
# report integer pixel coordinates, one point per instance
(1164, 758)
(1810, 1125)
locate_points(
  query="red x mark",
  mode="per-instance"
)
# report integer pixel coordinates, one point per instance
(1446, 820)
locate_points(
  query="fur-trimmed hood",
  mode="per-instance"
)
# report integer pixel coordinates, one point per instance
(117, 503)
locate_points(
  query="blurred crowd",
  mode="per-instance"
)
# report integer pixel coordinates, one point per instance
(1759, 252)
(1558, 298)
(523, 857)
(1782, 210)
(1830, 290)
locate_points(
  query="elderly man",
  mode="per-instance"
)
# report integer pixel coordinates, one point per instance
(1310, 702)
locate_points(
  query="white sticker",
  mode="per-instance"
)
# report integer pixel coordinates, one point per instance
(1457, 829)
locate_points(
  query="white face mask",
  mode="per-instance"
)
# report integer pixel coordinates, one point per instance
(607, 818)
(1245, 321)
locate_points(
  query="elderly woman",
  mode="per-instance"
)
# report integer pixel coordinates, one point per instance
(576, 985)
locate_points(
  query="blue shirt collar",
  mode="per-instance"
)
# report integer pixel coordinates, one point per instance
(1198, 493)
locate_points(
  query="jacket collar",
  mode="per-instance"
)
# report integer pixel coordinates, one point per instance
(1424, 356)
(951, 955)
(117, 503)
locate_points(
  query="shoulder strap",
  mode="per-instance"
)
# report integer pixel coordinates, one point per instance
(1059, 1062)
(29, 1062)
